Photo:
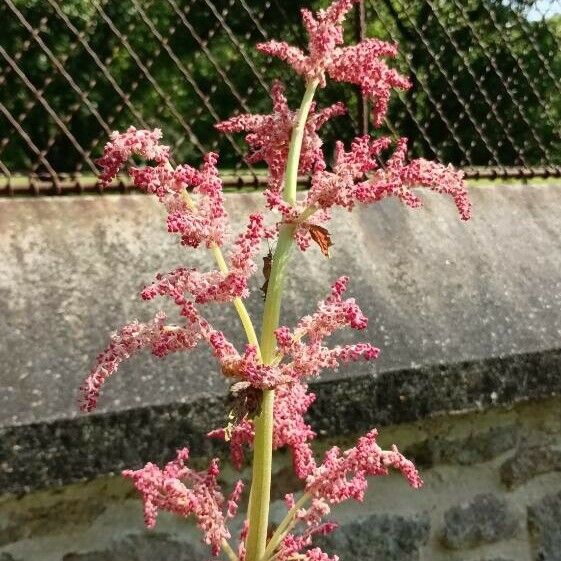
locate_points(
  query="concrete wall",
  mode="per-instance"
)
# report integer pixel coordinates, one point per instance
(467, 316)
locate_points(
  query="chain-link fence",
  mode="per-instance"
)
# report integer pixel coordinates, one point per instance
(486, 81)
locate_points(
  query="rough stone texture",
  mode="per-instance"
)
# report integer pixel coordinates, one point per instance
(483, 519)
(62, 451)
(529, 462)
(544, 523)
(476, 448)
(491, 559)
(39, 521)
(379, 537)
(147, 547)
(102, 518)
(438, 291)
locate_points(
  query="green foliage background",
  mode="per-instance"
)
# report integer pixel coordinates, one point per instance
(486, 79)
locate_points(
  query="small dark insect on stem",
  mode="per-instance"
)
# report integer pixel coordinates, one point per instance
(267, 263)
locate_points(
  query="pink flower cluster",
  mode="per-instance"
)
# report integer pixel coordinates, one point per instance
(268, 136)
(215, 286)
(124, 145)
(360, 64)
(161, 340)
(358, 178)
(308, 356)
(204, 222)
(292, 401)
(200, 221)
(183, 491)
(365, 173)
(340, 477)
(305, 345)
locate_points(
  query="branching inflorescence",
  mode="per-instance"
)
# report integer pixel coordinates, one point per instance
(270, 375)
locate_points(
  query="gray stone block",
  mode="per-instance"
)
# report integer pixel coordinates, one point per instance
(145, 547)
(544, 522)
(477, 448)
(528, 462)
(491, 559)
(379, 538)
(480, 447)
(45, 520)
(483, 519)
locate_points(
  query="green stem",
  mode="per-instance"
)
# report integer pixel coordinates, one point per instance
(223, 267)
(285, 526)
(261, 478)
(238, 302)
(263, 441)
(291, 175)
(227, 549)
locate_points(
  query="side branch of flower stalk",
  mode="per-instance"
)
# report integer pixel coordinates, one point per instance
(263, 441)
(230, 553)
(284, 527)
(238, 302)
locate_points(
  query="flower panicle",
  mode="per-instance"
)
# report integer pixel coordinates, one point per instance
(306, 356)
(358, 177)
(362, 64)
(200, 221)
(367, 171)
(304, 348)
(183, 491)
(122, 146)
(268, 137)
(155, 335)
(343, 475)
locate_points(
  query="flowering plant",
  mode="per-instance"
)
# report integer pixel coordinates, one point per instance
(269, 377)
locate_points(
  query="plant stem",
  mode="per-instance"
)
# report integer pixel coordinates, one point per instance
(231, 554)
(261, 478)
(238, 302)
(285, 526)
(291, 175)
(223, 267)
(263, 440)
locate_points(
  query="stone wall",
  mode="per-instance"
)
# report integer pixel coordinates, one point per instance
(492, 492)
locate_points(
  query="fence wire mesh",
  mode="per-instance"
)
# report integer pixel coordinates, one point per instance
(486, 75)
